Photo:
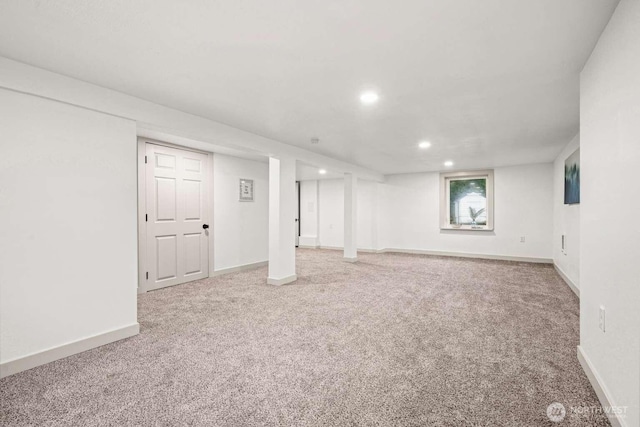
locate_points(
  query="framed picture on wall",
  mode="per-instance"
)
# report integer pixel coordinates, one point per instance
(572, 179)
(246, 190)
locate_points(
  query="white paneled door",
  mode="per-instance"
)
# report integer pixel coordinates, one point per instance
(177, 216)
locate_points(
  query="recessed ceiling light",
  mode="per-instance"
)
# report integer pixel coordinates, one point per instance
(424, 144)
(322, 171)
(369, 98)
(448, 163)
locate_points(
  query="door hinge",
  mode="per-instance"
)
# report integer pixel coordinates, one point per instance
(145, 159)
(146, 217)
(147, 275)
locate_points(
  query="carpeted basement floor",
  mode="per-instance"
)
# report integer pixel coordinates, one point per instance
(393, 340)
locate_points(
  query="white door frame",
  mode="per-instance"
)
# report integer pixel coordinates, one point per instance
(298, 210)
(142, 207)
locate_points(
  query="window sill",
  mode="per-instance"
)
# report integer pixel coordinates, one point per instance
(467, 228)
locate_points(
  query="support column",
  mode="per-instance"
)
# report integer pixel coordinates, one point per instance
(350, 217)
(282, 226)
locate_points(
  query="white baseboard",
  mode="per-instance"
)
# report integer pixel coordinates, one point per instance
(469, 255)
(599, 387)
(36, 359)
(351, 259)
(308, 247)
(340, 248)
(567, 280)
(239, 268)
(451, 254)
(283, 281)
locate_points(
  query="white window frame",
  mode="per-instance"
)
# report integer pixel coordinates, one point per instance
(445, 206)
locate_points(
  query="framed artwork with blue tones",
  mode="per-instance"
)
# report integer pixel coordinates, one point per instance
(572, 179)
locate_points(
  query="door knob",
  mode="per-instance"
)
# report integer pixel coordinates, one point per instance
(205, 226)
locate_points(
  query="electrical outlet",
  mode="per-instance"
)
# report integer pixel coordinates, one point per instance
(522, 239)
(601, 323)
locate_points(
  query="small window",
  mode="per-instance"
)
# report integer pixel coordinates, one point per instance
(466, 200)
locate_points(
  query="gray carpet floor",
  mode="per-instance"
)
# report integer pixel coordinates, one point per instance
(403, 340)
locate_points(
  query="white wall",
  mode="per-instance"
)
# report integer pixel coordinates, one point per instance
(566, 220)
(331, 212)
(403, 213)
(610, 202)
(68, 235)
(309, 220)
(368, 214)
(409, 215)
(240, 229)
